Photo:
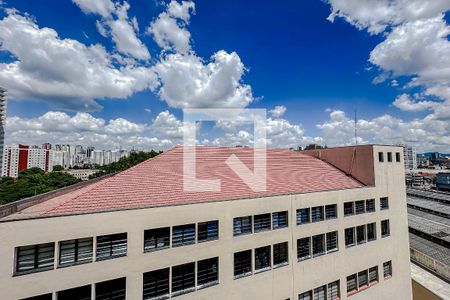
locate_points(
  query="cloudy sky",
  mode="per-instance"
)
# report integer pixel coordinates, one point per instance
(118, 73)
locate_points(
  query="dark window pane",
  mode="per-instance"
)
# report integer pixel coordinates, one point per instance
(242, 225)
(351, 283)
(279, 219)
(319, 293)
(380, 156)
(349, 236)
(305, 296)
(183, 278)
(74, 251)
(389, 156)
(155, 239)
(156, 284)
(111, 289)
(360, 207)
(384, 203)
(318, 244)
(79, 293)
(303, 216)
(208, 271)
(208, 231)
(360, 234)
(371, 232)
(261, 222)
(110, 246)
(370, 205)
(373, 274)
(385, 230)
(348, 208)
(242, 263)
(397, 156)
(387, 269)
(280, 253)
(332, 241)
(317, 214)
(362, 278)
(35, 257)
(183, 235)
(262, 258)
(333, 291)
(304, 248)
(331, 211)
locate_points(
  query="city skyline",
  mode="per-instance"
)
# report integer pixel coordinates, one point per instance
(226, 55)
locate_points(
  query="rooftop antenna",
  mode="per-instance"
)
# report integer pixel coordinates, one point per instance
(356, 129)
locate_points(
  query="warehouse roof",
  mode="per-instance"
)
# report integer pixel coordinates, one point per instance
(159, 182)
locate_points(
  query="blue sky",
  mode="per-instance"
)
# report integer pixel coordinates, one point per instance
(293, 56)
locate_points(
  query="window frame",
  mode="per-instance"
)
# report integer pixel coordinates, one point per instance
(388, 227)
(210, 234)
(364, 234)
(352, 204)
(336, 248)
(160, 282)
(284, 257)
(334, 215)
(276, 224)
(381, 157)
(258, 256)
(111, 246)
(186, 274)
(372, 207)
(76, 261)
(384, 203)
(215, 269)
(240, 225)
(321, 214)
(300, 215)
(352, 229)
(358, 205)
(389, 156)
(36, 268)
(387, 275)
(374, 224)
(301, 246)
(323, 246)
(398, 157)
(187, 238)
(248, 253)
(166, 239)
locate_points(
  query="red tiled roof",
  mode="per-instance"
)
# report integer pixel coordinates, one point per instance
(159, 182)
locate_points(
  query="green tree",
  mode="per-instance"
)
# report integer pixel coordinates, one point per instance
(58, 168)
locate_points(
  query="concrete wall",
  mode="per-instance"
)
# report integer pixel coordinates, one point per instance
(278, 284)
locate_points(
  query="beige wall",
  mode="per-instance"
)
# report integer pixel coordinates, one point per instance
(278, 284)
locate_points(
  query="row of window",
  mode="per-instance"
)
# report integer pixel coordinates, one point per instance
(106, 290)
(316, 214)
(366, 278)
(364, 206)
(389, 157)
(329, 291)
(41, 257)
(365, 233)
(317, 245)
(258, 223)
(262, 259)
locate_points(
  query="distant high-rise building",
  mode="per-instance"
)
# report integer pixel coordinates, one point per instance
(47, 146)
(18, 158)
(410, 156)
(3, 102)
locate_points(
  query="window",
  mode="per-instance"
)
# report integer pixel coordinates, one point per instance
(397, 156)
(40, 297)
(385, 230)
(303, 216)
(360, 234)
(183, 235)
(359, 207)
(261, 222)
(317, 214)
(208, 231)
(79, 293)
(111, 289)
(380, 156)
(333, 291)
(279, 219)
(384, 203)
(183, 278)
(348, 209)
(242, 263)
(332, 241)
(110, 246)
(373, 274)
(242, 225)
(351, 283)
(208, 272)
(389, 156)
(35, 258)
(371, 232)
(262, 258)
(304, 248)
(362, 278)
(305, 296)
(331, 211)
(280, 254)
(156, 239)
(156, 284)
(75, 251)
(387, 269)
(318, 244)
(370, 205)
(319, 293)
(350, 237)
